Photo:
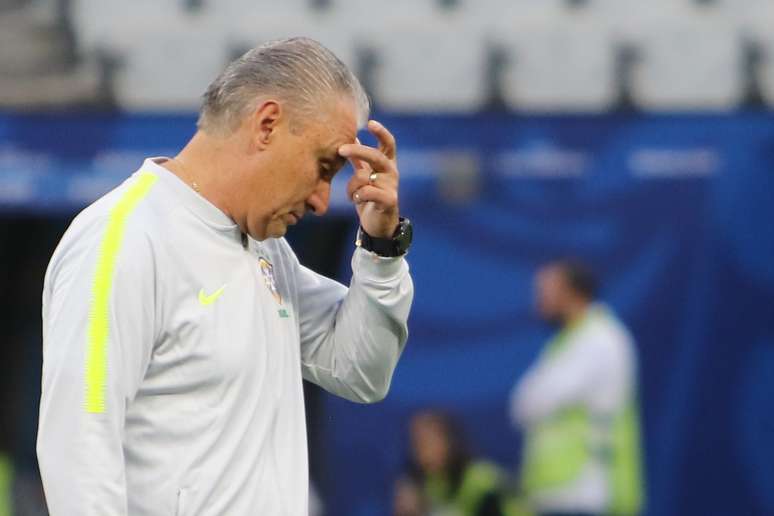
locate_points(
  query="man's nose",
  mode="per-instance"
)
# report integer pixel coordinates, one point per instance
(320, 198)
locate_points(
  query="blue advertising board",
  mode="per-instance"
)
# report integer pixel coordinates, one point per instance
(675, 213)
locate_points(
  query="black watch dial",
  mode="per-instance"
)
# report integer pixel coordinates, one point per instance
(404, 236)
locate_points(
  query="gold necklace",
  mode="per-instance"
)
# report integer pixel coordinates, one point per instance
(194, 184)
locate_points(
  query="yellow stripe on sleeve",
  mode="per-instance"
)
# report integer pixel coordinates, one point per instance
(99, 312)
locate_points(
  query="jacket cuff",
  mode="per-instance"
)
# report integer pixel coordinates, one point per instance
(370, 267)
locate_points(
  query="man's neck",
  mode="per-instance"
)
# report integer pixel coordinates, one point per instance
(576, 311)
(199, 167)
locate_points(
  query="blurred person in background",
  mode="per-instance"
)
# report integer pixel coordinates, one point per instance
(178, 323)
(577, 404)
(6, 483)
(443, 479)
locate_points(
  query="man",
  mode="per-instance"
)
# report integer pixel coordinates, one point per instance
(577, 405)
(178, 324)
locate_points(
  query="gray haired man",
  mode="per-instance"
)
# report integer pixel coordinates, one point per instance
(178, 324)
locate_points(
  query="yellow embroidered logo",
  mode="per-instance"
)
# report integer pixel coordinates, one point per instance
(206, 300)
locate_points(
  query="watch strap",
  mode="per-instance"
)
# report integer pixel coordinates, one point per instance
(387, 247)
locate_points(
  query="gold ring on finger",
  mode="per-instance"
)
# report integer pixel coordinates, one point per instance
(372, 177)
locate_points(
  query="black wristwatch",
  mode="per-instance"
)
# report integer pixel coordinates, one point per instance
(398, 245)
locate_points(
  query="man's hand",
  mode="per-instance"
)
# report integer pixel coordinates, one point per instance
(374, 186)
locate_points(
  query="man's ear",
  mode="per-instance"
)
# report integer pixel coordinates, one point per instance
(266, 120)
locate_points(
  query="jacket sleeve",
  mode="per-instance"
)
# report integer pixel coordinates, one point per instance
(568, 379)
(98, 333)
(351, 339)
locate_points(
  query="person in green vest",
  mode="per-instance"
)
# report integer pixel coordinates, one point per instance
(577, 404)
(443, 479)
(6, 485)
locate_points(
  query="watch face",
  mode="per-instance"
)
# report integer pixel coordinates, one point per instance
(405, 236)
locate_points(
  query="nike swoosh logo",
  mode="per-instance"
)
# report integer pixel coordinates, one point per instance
(206, 300)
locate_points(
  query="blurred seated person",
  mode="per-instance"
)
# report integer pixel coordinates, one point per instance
(576, 404)
(442, 478)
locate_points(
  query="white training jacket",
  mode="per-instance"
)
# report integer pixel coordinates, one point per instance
(173, 356)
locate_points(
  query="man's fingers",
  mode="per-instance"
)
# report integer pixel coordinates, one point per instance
(384, 199)
(358, 164)
(362, 178)
(354, 185)
(386, 140)
(374, 186)
(373, 157)
(368, 158)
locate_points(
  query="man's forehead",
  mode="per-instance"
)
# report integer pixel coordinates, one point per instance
(330, 151)
(340, 124)
(335, 139)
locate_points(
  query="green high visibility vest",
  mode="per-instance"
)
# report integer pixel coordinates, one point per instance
(6, 483)
(557, 449)
(479, 479)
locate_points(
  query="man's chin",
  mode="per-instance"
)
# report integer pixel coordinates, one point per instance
(272, 230)
(276, 231)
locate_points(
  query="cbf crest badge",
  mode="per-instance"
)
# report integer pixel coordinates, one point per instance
(267, 270)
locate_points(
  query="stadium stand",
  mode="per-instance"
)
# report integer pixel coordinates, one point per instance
(38, 67)
(302, 19)
(756, 22)
(489, 12)
(161, 73)
(418, 68)
(371, 13)
(413, 55)
(145, 49)
(765, 69)
(562, 62)
(689, 62)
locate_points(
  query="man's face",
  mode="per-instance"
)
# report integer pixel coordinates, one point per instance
(300, 165)
(550, 293)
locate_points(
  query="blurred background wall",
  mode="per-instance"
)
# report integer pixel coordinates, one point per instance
(635, 135)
